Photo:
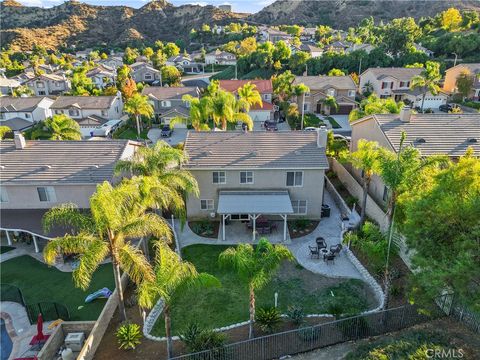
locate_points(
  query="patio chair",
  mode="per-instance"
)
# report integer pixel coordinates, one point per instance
(329, 257)
(335, 249)
(321, 244)
(314, 252)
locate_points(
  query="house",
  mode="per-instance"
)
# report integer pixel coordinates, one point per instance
(357, 47)
(420, 48)
(312, 49)
(49, 84)
(451, 75)
(342, 88)
(414, 98)
(20, 113)
(8, 85)
(185, 64)
(102, 76)
(338, 46)
(38, 175)
(242, 175)
(89, 111)
(432, 134)
(144, 72)
(220, 57)
(264, 87)
(83, 54)
(113, 62)
(168, 104)
(308, 34)
(274, 35)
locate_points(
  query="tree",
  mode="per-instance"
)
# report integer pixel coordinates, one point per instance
(81, 84)
(281, 52)
(428, 80)
(365, 158)
(148, 52)
(171, 49)
(3, 131)
(247, 46)
(282, 85)
(441, 226)
(130, 55)
(171, 75)
(451, 19)
(464, 84)
(116, 215)
(199, 112)
(57, 127)
(22, 90)
(374, 105)
(173, 277)
(249, 96)
(298, 61)
(255, 267)
(331, 102)
(129, 88)
(301, 90)
(336, 72)
(137, 106)
(225, 108)
(400, 34)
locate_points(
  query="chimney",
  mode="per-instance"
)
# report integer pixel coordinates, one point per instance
(19, 141)
(405, 114)
(322, 137)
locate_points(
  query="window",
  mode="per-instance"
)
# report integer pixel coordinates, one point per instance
(299, 207)
(295, 178)
(331, 92)
(46, 193)
(148, 77)
(385, 193)
(73, 112)
(40, 84)
(265, 96)
(58, 83)
(104, 112)
(2, 116)
(305, 107)
(27, 116)
(384, 85)
(166, 103)
(219, 177)
(3, 195)
(307, 94)
(58, 112)
(351, 93)
(246, 177)
(41, 93)
(206, 204)
(239, 217)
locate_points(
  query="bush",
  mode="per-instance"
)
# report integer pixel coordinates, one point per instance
(128, 336)
(309, 333)
(268, 318)
(301, 224)
(197, 339)
(295, 314)
(335, 309)
(203, 227)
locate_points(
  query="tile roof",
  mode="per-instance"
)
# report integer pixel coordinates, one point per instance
(323, 81)
(165, 93)
(45, 161)
(83, 102)
(263, 86)
(17, 124)
(448, 134)
(16, 104)
(399, 73)
(254, 150)
(473, 67)
(5, 82)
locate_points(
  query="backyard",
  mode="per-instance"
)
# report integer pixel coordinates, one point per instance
(39, 282)
(130, 133)
(217, 307)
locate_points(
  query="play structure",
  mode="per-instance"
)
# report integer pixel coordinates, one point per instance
(102, 293)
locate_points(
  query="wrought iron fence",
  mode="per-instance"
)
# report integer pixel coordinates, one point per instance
(50, 311)
(315, 337)
(11, 293)
(450, 304)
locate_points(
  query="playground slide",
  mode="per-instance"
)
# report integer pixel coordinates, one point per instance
(102, 293)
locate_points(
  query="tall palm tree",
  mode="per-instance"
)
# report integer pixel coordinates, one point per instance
(331, 102)
(58, 127)
(116, 215)
(249, 96)
(301, 90)
(255, 266)
(366, 160)
(225, 108)
(138, 106)
(199, 113)
(428, 80)
(172, 278)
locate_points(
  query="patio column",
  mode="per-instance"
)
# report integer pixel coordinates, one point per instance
(35, 243)
(9, 240)
(223, 227)
(285, 227)
(254, 227)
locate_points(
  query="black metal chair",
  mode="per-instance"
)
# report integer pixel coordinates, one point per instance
(329, 257)
(321, 244)
(335, 249)
(314, 252)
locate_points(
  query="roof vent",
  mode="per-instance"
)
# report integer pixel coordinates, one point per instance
(420, 140)
(472, 140)
(2, 167)
(298, 152)
(46, 167)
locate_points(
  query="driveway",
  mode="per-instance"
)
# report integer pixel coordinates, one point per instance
(178, 136)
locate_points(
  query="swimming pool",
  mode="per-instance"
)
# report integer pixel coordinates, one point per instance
(5, 342)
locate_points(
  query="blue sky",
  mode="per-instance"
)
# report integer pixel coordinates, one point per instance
(238, 5)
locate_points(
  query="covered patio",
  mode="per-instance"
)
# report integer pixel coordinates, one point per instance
(254, 208)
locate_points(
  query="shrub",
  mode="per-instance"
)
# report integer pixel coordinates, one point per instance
(268, 318)
(296, 314)
(335, 309)
(395, 290)
(197, 339)
(309, 333)
(301, 224)
(203, 227)
(128, 336)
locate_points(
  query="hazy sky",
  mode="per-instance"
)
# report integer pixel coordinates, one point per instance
(238, 5)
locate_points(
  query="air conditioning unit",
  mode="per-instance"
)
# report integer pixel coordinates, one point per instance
(212, 215)
(75, 341)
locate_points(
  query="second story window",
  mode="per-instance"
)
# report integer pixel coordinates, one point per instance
(219, 177)
(40, 84)
(295, 178)
(148, 77)
(3, 195)
(27, 116)
(351, 93)
(46, 194)
(58, 112)
(73, 112)
(166, 103)
(331, 92)
(246, 177)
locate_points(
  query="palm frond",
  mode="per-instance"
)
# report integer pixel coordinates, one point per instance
(134, 263)
(67, 244)
(95, 252)
(146, 224)
(67, 215)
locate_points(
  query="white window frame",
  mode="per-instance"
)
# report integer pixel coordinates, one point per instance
(331, 92)
(249, 180)
(27, 115)
(207, 204)
(148, 76)
(3, 195)
(50, 195)
(295, 174)
(166, 103)
(40, 85)
(58, 111)
(219, 177)
(73, 112)
(297, 206)
(351, 93)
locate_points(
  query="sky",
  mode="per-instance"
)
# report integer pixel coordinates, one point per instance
(250, 6)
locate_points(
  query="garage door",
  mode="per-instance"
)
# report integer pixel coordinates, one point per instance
(432, 102)
(342, 110)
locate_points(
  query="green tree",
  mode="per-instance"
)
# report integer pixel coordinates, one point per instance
(3, 131)
(282, 85)
(225, 108)
(130, 55)
(148, 52)
(171, 49)
(173, 277)
(374, 105)
(171, 75)
(116, 215)
(255, 267)
(199, 112)
(81, 84)
(137, 106)
(249, 96)
(331, 102)
(464, 84)
(336, 72)
(22, 90)
(298, 61)
(247, 46)
(301, 90)
(282, 51)
(428, 80)
(400, 34)
(57, 127)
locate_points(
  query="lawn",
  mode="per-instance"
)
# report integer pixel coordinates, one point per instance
(216, 307)
(39, 282)
(131, 134)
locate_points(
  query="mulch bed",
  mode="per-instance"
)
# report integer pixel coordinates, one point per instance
(299, 233)
(214, 235)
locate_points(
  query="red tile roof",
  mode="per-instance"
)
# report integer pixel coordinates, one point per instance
(266, 106)
(263, 86)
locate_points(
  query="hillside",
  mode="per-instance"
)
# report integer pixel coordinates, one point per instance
(342, 14)
(83, 25)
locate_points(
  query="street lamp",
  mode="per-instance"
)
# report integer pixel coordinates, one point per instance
(455, 61)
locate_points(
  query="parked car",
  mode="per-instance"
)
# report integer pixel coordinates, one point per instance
(166, 131)
(310, 128)
(342, 137)
(270, 126)
(447, 107)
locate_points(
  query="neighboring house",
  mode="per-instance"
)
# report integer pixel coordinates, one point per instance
(274, 35)
(338, 46)
(342, 88)
(420, 48)
(102, 76)
(451, 75)
(220, 57)
(20, 113)
(185, 64)
(83, 54)
(414, 98)
(264, 87)
(8, 85)
(308, 34)
(45, 68)
(113, 62)
(144, 72)
(168, 103)
(312, 49)
(364, 47)
(242, 175)
(432, 134)
(384, 81)
(49, 84)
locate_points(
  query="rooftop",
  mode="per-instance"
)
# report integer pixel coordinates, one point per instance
(83, 102)
(164, 93)
(472, 66)
(255, 150)
(16, 104)
(263, 86)
(399, 73)
(323, 81)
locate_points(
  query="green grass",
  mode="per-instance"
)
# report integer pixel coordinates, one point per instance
(216, 307)
(39, 282)
(131, 134)
(4, 249)
(333, 122)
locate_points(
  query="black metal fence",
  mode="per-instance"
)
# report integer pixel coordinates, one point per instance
(11, 293)
(454, 308)
(315, 337)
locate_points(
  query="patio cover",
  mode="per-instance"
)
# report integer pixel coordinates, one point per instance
(254, 202)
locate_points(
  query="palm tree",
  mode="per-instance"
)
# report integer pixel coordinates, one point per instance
(116, 215)
(173, 277)
(301, 89)
(58, 127)
(199, 112)
(255, 266)
(365, 159)
(249, 96)
(428, 80)
(138, 106)
(225, 108)
(331, 102)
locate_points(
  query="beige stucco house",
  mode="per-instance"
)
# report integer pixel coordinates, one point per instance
(49, 84)
(451, 75)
